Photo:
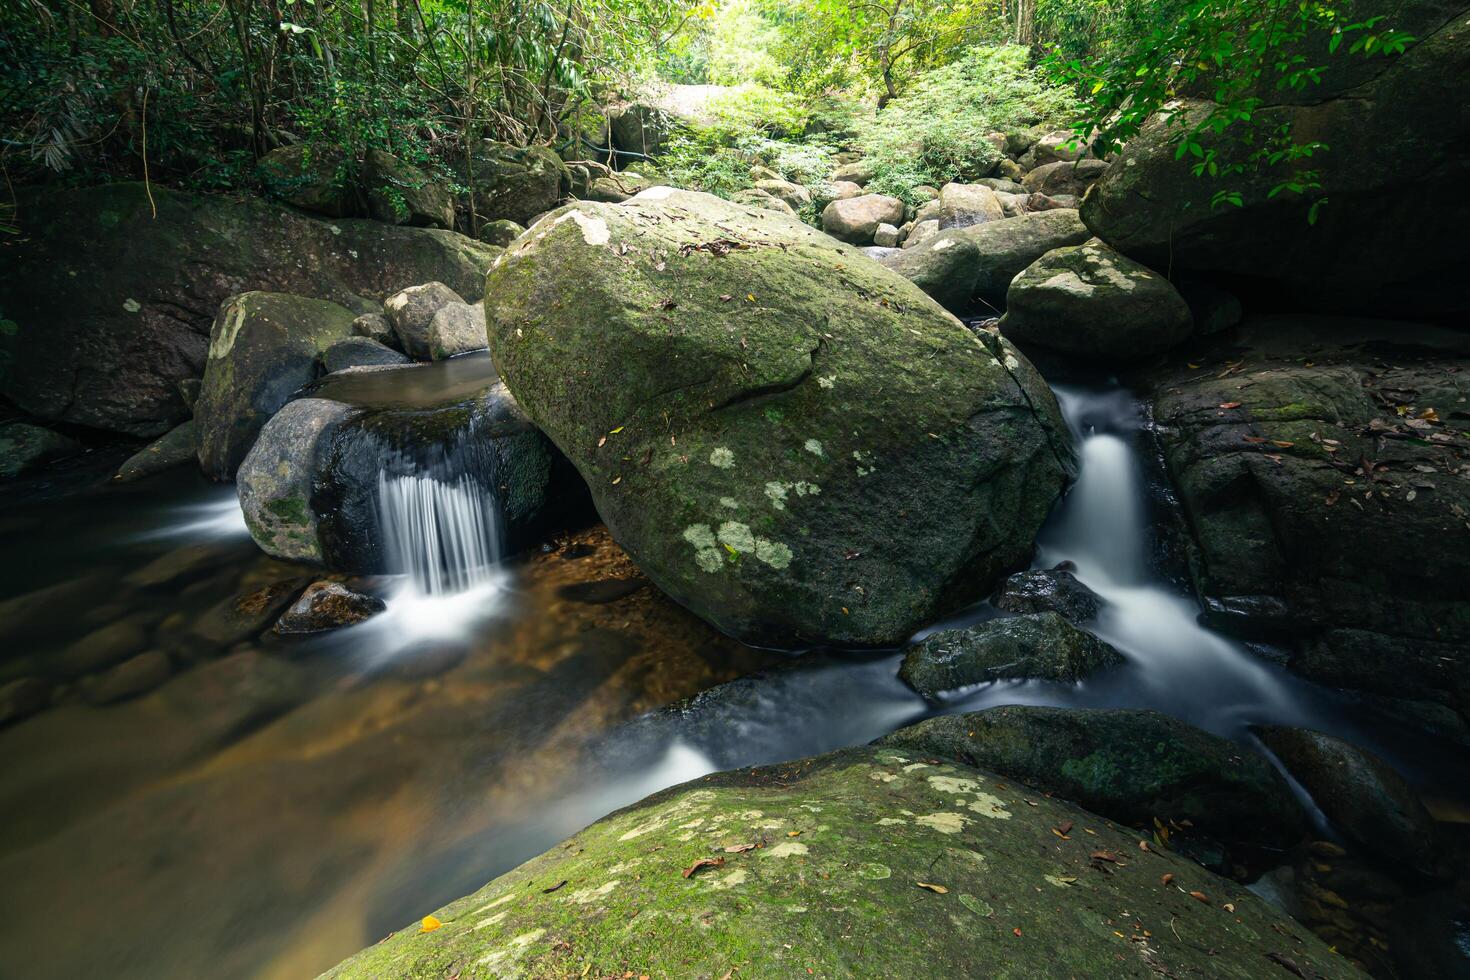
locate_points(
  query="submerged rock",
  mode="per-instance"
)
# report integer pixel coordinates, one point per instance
(1042, 589)
(937, 868)
(262, 349)
(735, 387)
(328, 606)
(1360, 795)
(1037, 646)
(128, 679)
(113, 304)
(1130, 765)
(1089, 301)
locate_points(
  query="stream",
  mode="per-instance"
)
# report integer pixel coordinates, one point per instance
(280, 802)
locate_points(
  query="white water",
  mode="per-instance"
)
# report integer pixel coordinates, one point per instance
(445, 536)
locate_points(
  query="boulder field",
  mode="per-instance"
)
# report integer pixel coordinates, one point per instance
(790, 440)
(872, 862)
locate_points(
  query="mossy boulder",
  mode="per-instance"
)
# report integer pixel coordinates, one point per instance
(113, 303)
(319, 179)
(1038, 646)
(1089, 301)
(175, 447)
(23, 447)
(790, 440)
(262, 349)
(864, 863)
(516, 183)
(402, 194)
(1131, 765)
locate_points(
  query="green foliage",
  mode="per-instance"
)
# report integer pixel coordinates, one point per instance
(1241, 55)
(939, 131)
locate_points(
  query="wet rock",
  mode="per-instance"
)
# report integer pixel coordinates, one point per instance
(354, 352)
(1359, 793)
(456, 328)
(21, 698)
(327, 606)
(963, 205)
(276, 480)
(929, 864)
(312, 178)
(25, 447)
(1129, 765)
(1430, 936)
(1037, 646)
(501, 232)
(1366, 578)
(114, 305)
(856, 219)
(1089, 301)
(980, 262)
(248, 613)
(1047, 589)
(262, 348)
(515, 183)
(178, 446)
(427, 658)
(602, 590)
(171, 566)
(411, 313)
(402, 194)
(128, 679)
(746, 517)
(101, 648)
(375, 326)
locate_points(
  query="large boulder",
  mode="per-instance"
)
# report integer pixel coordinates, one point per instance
(1062, 178)
(262, 349)
(963, 205)
(856, 219)
(1321, 468)
(735, 386)
(964, 265)
(1130, 765)
(175, 447)
(411, 313)
(1385, 242)
(795, 195)
(515, 183)
(863, 863)
(1038, 646)
(311, 488)
(1089, 301)
(24, 447)
(114, 304)
(319, 179)
(402, 194)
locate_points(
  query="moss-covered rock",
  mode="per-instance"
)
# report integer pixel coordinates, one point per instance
(1038, 646)
(114, 303)
(514, 182)
(319, 179)
(175, 447)
(1131, 765)
(793, 442)
(262, 349)
(402, 194)
(23, 447)
(864, 863)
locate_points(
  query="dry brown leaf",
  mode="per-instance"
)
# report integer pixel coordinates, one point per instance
(1108, 856)
(1166, 878)
(740, 848)
(938, 889)
(1200, 897)
(1230, 404)
(702, 863)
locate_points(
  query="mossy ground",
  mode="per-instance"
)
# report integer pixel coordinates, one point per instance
(834, 886)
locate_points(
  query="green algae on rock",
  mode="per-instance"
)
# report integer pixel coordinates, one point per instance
(790, 440)
(815, 868)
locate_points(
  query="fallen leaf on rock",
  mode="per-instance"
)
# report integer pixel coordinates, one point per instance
(1064, 829)
(602, 442)
(1230, 404)
(1016, 932)
(1143, 845)
(429, 924)
(740, 848)
(1108, 856)
(1165, 879)
(1282, 444)
(1229, 906)
(793, 833)
(1285, 963)
(725, 297)
(938, 889)
(702, 863)
(1200, 897)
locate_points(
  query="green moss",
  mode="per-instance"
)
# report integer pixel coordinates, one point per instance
(291, 509)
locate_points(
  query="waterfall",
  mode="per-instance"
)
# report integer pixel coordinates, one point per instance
(445, 535)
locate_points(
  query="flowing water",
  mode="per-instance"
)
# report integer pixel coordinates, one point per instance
(281, 802)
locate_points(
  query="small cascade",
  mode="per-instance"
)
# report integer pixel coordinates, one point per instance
(445, 535)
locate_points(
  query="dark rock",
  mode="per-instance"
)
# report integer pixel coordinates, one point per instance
(411, 312)
(1360, 795)
(501, 232)
(747, 517)
(312, 178)
(402, 194)
(262, 349)
(1042, 590)
(639, 128)
(1214, 309)
(1037, 646)
(601, 591)
(114, 305)
(1089, 301)
(352, 352)
(375, 326)
(176, 447)
(1130, 765)
(248, 613)
(328, 606)
(515, 183)
(1369, 576)
(21, 698)
(1430, 936)
(100, 649)
(189, 391)
(128, 679)
(25, 447)
(171, 566)
(1055, 179)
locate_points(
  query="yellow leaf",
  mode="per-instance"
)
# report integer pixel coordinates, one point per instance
(430, 924)
(617, 430)
(938, 889)
(617, 480)
(750, 297)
